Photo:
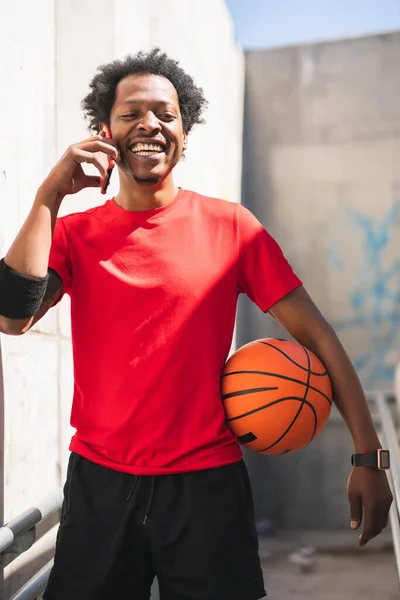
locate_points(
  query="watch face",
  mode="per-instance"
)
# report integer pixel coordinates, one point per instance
(384, 457)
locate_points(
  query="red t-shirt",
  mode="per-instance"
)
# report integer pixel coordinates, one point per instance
(153, 304)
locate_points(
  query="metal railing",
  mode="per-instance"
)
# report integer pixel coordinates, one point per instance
(390, 439)
(35, 586)
(19, 535)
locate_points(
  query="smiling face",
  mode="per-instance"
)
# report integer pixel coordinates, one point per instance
(146, 124)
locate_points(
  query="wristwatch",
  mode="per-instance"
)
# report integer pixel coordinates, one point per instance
(379, 459)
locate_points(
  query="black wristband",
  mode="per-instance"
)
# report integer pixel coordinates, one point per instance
(20, 295)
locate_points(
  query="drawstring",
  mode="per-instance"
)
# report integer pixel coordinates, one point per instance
(151, 496)
(133, 487)
(148, 507)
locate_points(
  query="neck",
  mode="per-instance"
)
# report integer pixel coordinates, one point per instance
(136, 196)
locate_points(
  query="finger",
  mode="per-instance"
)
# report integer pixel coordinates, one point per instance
(100, 145)
(92, 181)
(81, 156)
(356, 511)
(92, 138)
(81, 181)
(373, 524)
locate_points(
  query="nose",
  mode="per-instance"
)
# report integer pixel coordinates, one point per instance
(149, 123)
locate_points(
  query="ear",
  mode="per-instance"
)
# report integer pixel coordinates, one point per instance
(185, 137)
(105, 130)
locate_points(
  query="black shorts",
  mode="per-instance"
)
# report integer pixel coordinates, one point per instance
(194, 531)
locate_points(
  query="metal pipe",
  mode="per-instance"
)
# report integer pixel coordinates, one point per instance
(28, 519)
(395, 527)
(391, 441)
(36, 585)
(1, 461)
(394, 518)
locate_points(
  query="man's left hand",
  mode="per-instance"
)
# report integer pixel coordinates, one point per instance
(369, 497)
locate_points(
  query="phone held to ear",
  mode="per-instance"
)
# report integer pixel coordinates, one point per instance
(105, 181)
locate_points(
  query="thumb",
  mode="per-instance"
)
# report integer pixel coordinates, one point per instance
(356, 511)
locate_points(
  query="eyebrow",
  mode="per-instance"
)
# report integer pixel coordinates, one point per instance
(164, 102)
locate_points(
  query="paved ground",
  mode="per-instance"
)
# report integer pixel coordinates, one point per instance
(341, 570)
(351, 577)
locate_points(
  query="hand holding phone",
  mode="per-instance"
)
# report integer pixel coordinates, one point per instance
(105, 181)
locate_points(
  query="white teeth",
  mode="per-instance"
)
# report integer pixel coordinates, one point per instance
(144, 153)
(139, 148)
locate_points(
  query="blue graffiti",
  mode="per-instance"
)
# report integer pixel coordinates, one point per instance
(375, 296)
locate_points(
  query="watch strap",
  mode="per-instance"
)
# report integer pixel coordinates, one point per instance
(378, 459)
(366, 459)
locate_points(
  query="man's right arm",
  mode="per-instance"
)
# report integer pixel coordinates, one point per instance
(20, 326)
(27, 287)
(25, 268)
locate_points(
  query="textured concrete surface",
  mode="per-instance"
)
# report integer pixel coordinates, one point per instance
(352, 577)
(322, 171)
(76, 39)
(341, 570)
(44, 79)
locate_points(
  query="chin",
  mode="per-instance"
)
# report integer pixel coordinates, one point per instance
(149, 176)
(147, 180)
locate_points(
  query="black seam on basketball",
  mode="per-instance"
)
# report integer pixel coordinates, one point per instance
(303, 402)
(287, 430)
(246, 438)
(254, 410)
(307, 390)
(248, 391)
(307, 387)
(293, 361)
(315, 414)
(311, 387)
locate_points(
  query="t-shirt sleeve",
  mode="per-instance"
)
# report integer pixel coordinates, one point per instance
(60, 259)
(264, 274)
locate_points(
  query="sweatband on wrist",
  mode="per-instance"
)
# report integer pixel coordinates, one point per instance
(20, 295)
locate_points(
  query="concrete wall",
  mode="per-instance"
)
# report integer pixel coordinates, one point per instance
(322, 172)
(52, 53)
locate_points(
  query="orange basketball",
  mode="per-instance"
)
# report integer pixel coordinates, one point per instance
(277, 396)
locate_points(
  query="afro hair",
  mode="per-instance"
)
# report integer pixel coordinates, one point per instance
(98, 103)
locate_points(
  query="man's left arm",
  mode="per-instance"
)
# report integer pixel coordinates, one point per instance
(368, 489)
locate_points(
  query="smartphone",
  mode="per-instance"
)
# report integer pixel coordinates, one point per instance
(105, 181)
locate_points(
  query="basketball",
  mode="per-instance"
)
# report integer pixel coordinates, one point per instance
(277, 396)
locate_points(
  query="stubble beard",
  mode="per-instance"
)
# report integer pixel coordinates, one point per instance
(147, 180)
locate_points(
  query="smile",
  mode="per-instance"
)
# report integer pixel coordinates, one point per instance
(147, 150)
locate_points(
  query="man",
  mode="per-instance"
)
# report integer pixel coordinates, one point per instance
(155, 483)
